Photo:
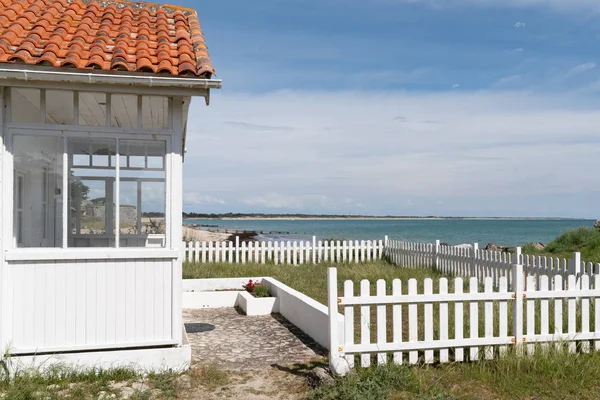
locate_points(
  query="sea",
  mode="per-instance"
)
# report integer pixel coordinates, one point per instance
(452, 231)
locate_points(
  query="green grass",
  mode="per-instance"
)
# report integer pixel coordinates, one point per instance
(584, 240)
(60, 382)
(310, 279)
(545, 375)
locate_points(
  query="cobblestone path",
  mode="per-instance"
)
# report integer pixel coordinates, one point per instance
(232, 340)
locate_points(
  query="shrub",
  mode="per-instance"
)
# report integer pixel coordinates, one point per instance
(261, 291)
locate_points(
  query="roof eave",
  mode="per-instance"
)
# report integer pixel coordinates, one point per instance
(185, 85)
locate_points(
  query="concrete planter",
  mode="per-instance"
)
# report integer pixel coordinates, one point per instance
(256, 305)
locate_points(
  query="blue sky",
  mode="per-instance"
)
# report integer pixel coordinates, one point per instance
(405, 107)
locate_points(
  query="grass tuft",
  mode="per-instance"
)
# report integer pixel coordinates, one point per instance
(583, 240)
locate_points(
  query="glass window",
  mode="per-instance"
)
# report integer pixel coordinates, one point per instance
(155, 112)
(37, 194)
(59, 107)
(123, 111)
(25, 106)
(92, 109)
(142, 193)
(92, 175)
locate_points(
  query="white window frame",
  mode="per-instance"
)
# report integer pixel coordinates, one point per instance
(172, 167)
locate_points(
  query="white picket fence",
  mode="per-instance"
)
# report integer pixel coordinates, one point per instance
(474, 262)
(285, 252)
(452, 324)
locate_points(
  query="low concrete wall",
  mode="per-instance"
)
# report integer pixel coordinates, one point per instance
(306, 313)
(210, 299)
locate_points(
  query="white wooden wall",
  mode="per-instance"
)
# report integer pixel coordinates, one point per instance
(84, 304)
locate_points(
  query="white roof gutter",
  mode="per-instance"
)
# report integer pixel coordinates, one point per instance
(21, 73)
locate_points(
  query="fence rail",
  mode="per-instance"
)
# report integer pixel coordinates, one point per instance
(457, 322)
(284, 252)
(470, 262)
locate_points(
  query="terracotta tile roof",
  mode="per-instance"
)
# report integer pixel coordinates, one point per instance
(105, 35)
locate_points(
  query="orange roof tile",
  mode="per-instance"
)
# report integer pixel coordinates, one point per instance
(106, 35)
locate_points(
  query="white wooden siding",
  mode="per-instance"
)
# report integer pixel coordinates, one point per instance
(83, 304)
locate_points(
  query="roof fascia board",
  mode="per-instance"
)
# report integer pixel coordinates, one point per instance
(122, 83)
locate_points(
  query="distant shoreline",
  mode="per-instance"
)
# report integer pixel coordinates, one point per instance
(325, 218)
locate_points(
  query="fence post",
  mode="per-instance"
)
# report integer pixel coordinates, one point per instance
(575, 268)
(436, 258)
(337, 363)
(314, 250)
(237, 249)
(385, 247)
(474, 260)
(517, 328)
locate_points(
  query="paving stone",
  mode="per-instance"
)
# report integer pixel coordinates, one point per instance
(240, 342)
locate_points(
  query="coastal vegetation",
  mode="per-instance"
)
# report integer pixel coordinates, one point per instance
(553, 374)
(193, 215)
(583, 240)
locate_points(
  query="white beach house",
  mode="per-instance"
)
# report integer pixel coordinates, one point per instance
(95, 98)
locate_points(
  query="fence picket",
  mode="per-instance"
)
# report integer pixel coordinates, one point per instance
(381, 323)
(585, 313)
(558, 309)
(572, 312)
(397, 319)
(338, 251)
(597, 311)
(301, 253)
(365, 323)
(428, 323)
(349, 321)
(344, 251)
(531, 286)
(443, 319)
(544, 310)
(413, 322)
(250, 251)
(502, 313)
(473, 319)
(458, 319)
(203, 252)
(243, 253)
(488, 317)
(210, 252)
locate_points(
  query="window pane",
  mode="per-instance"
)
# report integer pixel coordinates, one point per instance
(37, 193)
(155, 112)
(59, 107)
(25, 105)
(142, 194)
(123, 110)
(91, 192)
(92, 109)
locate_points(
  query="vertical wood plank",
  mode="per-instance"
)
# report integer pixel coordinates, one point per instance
(443, 319)
(365, 323)
(597, 311)
(502, 313)
(531, 283)
(349, 321)
(558, 309)
(428, 323)
(397, 319)
(489, 317)
(458, 319)
(413, 321)
(572, 311)
(544, 310)
(473, 319)
(381, 323)
(585, 313)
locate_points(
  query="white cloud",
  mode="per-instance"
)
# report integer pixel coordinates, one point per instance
(193, 198)
(558, 5)
(483, 148)
(456, 85)
(507, 80)
(519, 50)
(276, 200)
(519, 25)
(580, 69)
